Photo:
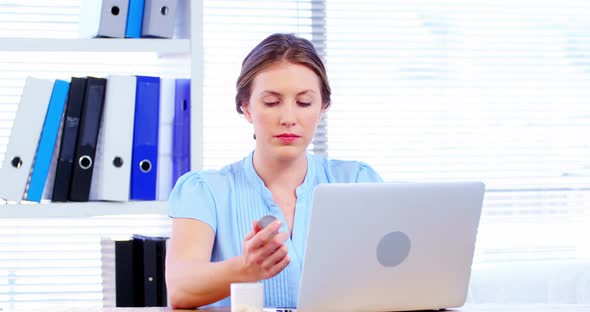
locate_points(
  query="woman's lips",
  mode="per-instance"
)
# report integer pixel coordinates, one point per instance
(287, 137)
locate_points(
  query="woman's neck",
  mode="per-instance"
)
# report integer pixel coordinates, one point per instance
(281, 174)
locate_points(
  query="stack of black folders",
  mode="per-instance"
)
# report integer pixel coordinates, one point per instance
(133, 272)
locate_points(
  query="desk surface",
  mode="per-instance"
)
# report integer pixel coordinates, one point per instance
(466, 308)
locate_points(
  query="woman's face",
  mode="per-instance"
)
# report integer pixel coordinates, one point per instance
(285, 107)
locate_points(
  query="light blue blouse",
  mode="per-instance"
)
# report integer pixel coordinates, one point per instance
(230, 199)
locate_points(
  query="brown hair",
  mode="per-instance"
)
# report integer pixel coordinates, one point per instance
(276, 48)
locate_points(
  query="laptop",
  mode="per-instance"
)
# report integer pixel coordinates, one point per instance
(389, 246)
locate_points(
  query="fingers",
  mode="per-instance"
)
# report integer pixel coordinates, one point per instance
(266, 234)
(255, 230)
(278, 267)
(274, 258)
(270, 247)
(249, 235)
(265, 251)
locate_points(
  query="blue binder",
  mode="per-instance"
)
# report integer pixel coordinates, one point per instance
(144, 155)
(134, 19)
(47, 141)
(181, 133)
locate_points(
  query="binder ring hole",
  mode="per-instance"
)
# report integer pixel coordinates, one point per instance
(145, 165)
(85, 162)
(115, 10)
(118, 162)
(16, 162)
(164, 10)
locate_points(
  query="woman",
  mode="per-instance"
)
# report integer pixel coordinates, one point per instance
(283, 92)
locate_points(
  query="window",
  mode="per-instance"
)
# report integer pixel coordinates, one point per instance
(472, 90)
(477, 90)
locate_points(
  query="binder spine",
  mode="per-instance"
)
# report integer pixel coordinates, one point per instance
(128, 274)
(103, 18)
(164, 179)
(69, 137)
(144, 166)
(159, 17)
(47, 140)
(181, 132)
(87, 139)
(112, 171)
(134, 19)
(152, 253)
(113, 18)
(24, 138)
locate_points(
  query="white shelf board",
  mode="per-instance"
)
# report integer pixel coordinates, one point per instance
(82, 209)
(161, 46)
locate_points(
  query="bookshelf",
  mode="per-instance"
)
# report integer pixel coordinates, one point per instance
(160, 46)
(188, 44)
(83, 210)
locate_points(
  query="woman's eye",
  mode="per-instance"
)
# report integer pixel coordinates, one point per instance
(271, 103)
(304, 103)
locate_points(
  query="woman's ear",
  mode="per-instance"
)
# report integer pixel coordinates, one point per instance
(246, 110)
(324, 110)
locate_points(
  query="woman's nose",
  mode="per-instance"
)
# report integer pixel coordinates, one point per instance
(287, 116)
(288, 123)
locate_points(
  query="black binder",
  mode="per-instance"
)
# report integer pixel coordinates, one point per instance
(128, 274)
(161, 267)
(69, 137)
(153, 251)
(87, 138)
(139, 272)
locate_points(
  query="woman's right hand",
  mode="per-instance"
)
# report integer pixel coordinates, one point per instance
(264, 251)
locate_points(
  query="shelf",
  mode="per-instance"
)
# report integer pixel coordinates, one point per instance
(161, 46)
(82, 210)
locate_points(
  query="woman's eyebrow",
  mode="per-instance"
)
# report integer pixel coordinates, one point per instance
(269, 92)
(306, 91)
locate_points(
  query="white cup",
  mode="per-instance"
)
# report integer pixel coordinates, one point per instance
(247, 297)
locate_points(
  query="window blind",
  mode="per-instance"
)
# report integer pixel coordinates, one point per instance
(230, 30)
(472, 90)
(55, 262)
(39, 19)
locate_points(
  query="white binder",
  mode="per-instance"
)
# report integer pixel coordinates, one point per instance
(164, 175)
(111, 176)
(103, 18)
(24, 138)
(108, 272)
(159, 18)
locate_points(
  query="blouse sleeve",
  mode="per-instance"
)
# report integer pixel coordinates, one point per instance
(367, 174)
(192, 198)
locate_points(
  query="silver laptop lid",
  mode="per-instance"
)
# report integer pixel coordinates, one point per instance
(390, 246)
